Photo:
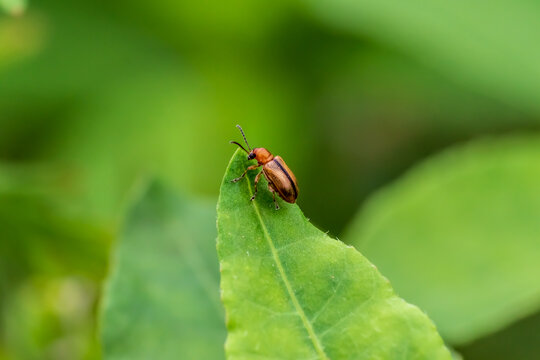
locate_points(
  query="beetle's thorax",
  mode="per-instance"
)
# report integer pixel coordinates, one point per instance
(262, 155)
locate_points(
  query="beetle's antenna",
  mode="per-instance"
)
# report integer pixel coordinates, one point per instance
(242, 131)
(234, 142)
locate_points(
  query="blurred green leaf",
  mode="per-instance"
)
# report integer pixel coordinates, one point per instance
(67, 65)
(162, 300)
(379, 114)
(491, 46)
(50, 318)
(20, 38)
(459, 235)
(291, 292)
(42, 232)
(210, 24)
(520, 341)
(14, 7)
(51, 261)
(67, 53)
(40, 236)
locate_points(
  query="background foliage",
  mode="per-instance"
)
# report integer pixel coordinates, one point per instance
(95, 95)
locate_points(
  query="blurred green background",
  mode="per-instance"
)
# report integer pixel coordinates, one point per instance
(97, 95)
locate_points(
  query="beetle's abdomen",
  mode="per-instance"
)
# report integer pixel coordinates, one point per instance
(282, 178)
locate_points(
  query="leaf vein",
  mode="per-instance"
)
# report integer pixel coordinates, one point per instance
(352, 313)
(305, 321)
(328, 301)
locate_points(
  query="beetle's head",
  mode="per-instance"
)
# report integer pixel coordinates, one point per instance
(261, 155)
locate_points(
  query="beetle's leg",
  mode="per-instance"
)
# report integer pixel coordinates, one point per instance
(273, 191)
(275, 202)
(257, 178)
(252, 167)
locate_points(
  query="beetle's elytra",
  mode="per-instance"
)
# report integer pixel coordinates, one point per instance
(280, 178)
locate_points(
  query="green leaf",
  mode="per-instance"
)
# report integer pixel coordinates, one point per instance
(162, 300)
(458, 235)
(291, 292)
(471, 42)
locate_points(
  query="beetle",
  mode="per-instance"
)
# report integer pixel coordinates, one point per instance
(281, 179)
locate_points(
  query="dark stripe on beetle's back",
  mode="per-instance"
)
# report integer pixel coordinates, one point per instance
(288, 177)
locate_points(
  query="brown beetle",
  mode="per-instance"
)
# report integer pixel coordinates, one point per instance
(280, 178)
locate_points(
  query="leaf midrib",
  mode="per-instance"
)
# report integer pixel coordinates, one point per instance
(305, 321)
